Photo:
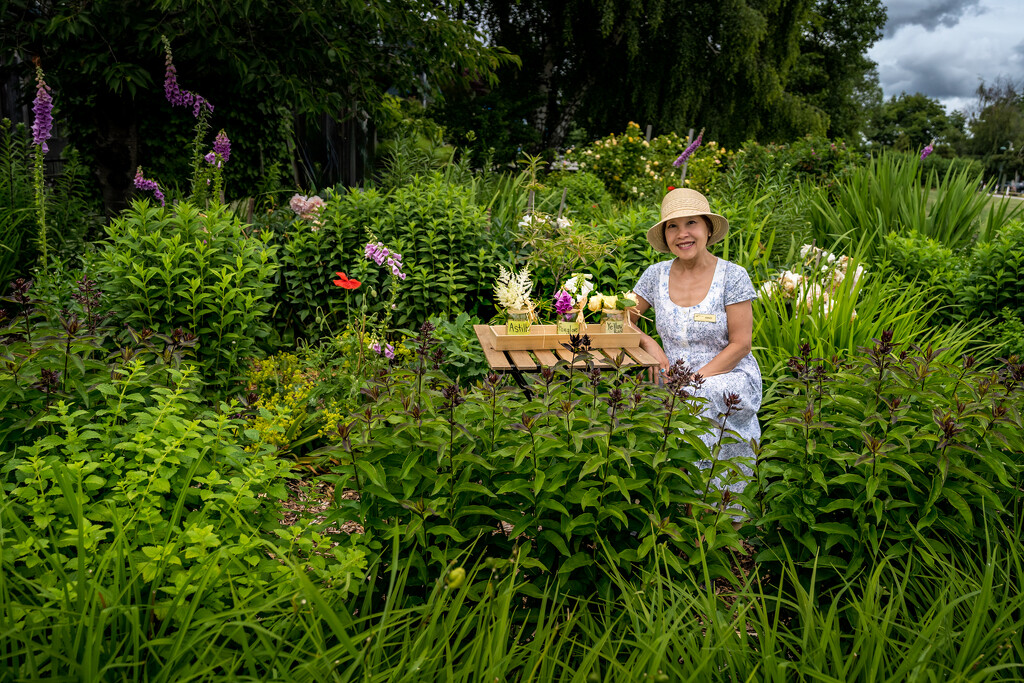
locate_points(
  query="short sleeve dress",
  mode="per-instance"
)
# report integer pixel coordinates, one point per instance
(696, 334)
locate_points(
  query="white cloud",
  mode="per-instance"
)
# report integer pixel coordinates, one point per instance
(945, 49)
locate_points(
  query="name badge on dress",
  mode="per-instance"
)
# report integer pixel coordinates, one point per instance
(704, 318)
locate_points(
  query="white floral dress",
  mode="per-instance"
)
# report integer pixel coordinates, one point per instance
(696, 334)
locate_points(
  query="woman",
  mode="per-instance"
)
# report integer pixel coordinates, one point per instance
(704, 317)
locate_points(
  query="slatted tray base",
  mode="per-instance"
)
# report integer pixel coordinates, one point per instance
(532, 360)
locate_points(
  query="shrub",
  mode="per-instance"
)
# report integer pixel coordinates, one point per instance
(819, 160)
(914, 257)
(585, 195)
(199, 271)
(55, 347)
(994, 276)
(589, 470)
(634, 169)
(887, 452)
(449, 255)
(144, 505)
(71, 215)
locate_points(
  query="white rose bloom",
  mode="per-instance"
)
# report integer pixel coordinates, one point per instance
(805, 250)
(563, 223)
(768, 289)
(790, 283)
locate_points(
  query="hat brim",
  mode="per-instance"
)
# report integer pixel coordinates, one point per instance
(656, 237)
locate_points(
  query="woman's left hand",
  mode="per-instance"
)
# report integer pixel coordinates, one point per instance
(654, 349)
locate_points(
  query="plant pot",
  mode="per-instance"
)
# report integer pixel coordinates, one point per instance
(518, 321)
(613, 320)
(570, 324)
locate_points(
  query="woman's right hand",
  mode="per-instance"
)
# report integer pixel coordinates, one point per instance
(654, 349)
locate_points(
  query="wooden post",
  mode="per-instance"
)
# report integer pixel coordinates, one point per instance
(561, 207)
(682, 174)
(648, 138)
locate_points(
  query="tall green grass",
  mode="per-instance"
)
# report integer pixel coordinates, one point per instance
(919, 618)
(890, 195)
(861, 313)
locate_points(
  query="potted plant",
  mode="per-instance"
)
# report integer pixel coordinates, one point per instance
(613, 310)
(569, 303)
(512, 290)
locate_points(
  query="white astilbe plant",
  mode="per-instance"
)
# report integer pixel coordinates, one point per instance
(512, 289)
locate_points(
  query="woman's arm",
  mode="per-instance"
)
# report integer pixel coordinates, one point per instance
(647, 343)
(740, 319)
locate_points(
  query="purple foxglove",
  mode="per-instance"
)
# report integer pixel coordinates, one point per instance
(927, 150)
(563, 302)
(222, 146)
(689, 150)
(149, 185)
(42, 108)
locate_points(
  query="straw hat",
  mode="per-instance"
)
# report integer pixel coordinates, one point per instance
(681, 203)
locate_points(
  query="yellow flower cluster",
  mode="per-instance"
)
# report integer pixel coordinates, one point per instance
(634, 168)
(284, 390)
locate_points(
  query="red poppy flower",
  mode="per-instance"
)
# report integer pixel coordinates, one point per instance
(344, 281)
(670, 188)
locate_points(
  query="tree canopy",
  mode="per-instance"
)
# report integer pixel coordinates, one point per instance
(762, 69)
(255, 61)
(911, 121)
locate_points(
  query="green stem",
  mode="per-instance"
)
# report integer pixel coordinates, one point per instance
(40, 193)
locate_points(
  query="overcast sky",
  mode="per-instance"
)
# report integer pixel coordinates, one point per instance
(945, 48)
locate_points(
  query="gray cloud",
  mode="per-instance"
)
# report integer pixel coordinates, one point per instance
(923, 73)
(927, 13)
(948, 62)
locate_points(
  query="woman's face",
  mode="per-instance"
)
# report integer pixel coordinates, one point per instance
(687, 237)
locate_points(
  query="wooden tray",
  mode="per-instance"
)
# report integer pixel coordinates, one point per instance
(546, 337)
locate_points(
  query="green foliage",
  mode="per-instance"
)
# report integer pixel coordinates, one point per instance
(1009, 333)
(855, 313)
(593, 65)
(442, 233)
(913, 257)
(265, 62)
(891, 194)
(997, 129)
(586, 197)
(70, 217)
(887, 452)
(145, 507)
(463, 356)
(819, 160)
(633, 169)
(592, 471)
(412, 145)
(909, 122)
(203, 272)
(833, 71)
(54, 346)
(994, 276)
